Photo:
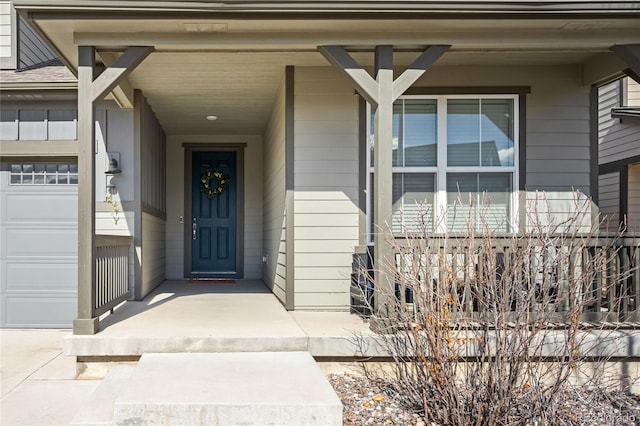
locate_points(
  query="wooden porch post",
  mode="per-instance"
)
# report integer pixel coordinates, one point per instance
(86, 323)
(382, 182)
(381, 93)
(90, 89)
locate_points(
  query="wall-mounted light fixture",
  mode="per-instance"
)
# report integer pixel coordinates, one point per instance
(113, 169)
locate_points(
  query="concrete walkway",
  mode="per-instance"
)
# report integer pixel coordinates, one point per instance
(37, 380)
(37, 377)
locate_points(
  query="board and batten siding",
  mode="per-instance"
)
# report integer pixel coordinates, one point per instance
(617, 139)
(151, 202)
(274, 199)
(153, 251)
(252, 201)
(326, 188)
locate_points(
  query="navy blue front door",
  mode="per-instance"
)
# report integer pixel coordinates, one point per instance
(214, 213)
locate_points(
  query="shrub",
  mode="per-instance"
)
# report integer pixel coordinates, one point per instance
(488, 329)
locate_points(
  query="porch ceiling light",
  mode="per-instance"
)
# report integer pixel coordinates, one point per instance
(212, 117)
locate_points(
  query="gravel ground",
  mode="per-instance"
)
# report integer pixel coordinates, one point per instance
(372, 402)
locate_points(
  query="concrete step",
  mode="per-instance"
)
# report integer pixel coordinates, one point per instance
(99, 410)
(248, 388)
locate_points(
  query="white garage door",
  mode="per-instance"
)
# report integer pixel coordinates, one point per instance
(38, 243)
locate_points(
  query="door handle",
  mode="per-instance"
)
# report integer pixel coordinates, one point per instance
(194, 228)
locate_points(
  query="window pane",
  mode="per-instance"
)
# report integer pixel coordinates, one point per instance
(396, 141)
(397, 117)
(414, 133)
(420, 132)
(479, 200)
(480, 132)
(497, 132)
(463, 132)
(43, 174)
(413, 202)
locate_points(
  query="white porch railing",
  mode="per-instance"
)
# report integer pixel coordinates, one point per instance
(112, 272)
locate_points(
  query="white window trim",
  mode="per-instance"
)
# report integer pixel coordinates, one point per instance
(440, 201)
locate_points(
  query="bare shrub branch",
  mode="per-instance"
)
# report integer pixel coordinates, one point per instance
(505, 329)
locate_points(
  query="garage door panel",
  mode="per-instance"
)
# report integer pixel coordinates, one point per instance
(39, 208)
(41, 277)
(32, 243)
(45, 311)
(38, 243)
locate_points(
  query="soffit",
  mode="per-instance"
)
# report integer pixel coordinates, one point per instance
(233, 68)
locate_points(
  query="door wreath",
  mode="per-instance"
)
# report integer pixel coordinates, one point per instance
(205, 182)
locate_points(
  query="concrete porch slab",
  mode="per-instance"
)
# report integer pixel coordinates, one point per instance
(283, 388)
(240, 317)
(183, 317)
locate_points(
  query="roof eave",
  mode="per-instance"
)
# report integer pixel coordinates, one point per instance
(284, 9)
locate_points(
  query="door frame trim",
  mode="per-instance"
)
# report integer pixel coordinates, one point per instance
(189, 149)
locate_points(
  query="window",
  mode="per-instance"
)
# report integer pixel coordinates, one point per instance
(454, 163)
(44, 174)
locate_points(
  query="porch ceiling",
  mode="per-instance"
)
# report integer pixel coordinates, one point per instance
(232, 68)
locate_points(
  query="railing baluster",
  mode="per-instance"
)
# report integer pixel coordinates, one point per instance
(112, 272)
(530, 273)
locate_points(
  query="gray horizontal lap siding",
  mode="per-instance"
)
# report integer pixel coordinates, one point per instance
(617, 139)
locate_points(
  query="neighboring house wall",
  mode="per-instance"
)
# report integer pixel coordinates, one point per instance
(633, 92)
(633, 202)
(617, 139)
(252, 201)
(326, 188)
(38, 279)
(8, 51)
(38, 120)
(32, 51)
(274, 193)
